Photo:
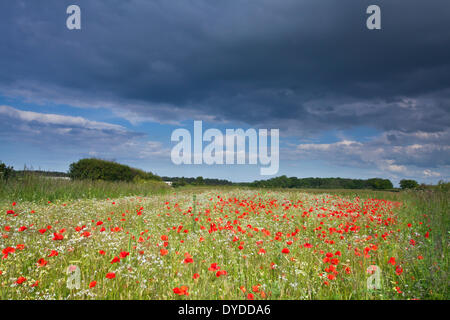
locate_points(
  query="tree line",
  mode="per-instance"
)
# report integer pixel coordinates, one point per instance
(324, 183)
(99, 169)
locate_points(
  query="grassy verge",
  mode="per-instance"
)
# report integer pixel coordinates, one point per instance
(39, 189)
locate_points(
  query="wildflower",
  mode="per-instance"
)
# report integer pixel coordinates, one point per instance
(398, 270)
(183, 290)
(8, 250)
(21, 280)
(124, 254)
(115, 260)
(221, 273)
(213, 267)
(57, 236)
(42, 262)
(53, 253)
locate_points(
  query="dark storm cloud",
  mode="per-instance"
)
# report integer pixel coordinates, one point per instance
(302, 66)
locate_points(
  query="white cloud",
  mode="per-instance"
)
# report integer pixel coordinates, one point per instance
(56, 119)
(76, 135)
(429, 173)
(392, 153)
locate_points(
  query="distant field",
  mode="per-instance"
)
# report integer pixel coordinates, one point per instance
(220, 243)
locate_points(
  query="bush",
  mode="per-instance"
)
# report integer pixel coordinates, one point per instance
(5, 171)
(97, 169)
(408, 184)
(380, 184)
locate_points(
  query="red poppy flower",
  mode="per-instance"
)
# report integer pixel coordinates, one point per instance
(398, 270)
(57, 236)
(42, 262)
(285, 250)
(195, 276)
(392, 261)
(21, 280)
(92, 284)
(221, 273)
(115, 259)
(183, 290)
(124, 254)
(8, 250)
(110, 275)
(213, 267)
(163, 252)
(335, 261)
(255, 288)
(53, 253)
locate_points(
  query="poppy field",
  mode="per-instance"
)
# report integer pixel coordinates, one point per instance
(226, 243)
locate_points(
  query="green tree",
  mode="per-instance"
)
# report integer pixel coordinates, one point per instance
(199, 181)
(5, 171)
(408, 184)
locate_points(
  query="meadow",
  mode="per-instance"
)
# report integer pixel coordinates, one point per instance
(149, 241)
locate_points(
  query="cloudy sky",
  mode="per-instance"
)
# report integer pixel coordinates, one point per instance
(349, 102)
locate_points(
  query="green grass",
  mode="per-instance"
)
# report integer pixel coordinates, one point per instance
(31, 187)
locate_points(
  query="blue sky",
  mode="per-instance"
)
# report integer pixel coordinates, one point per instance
(348, 102)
